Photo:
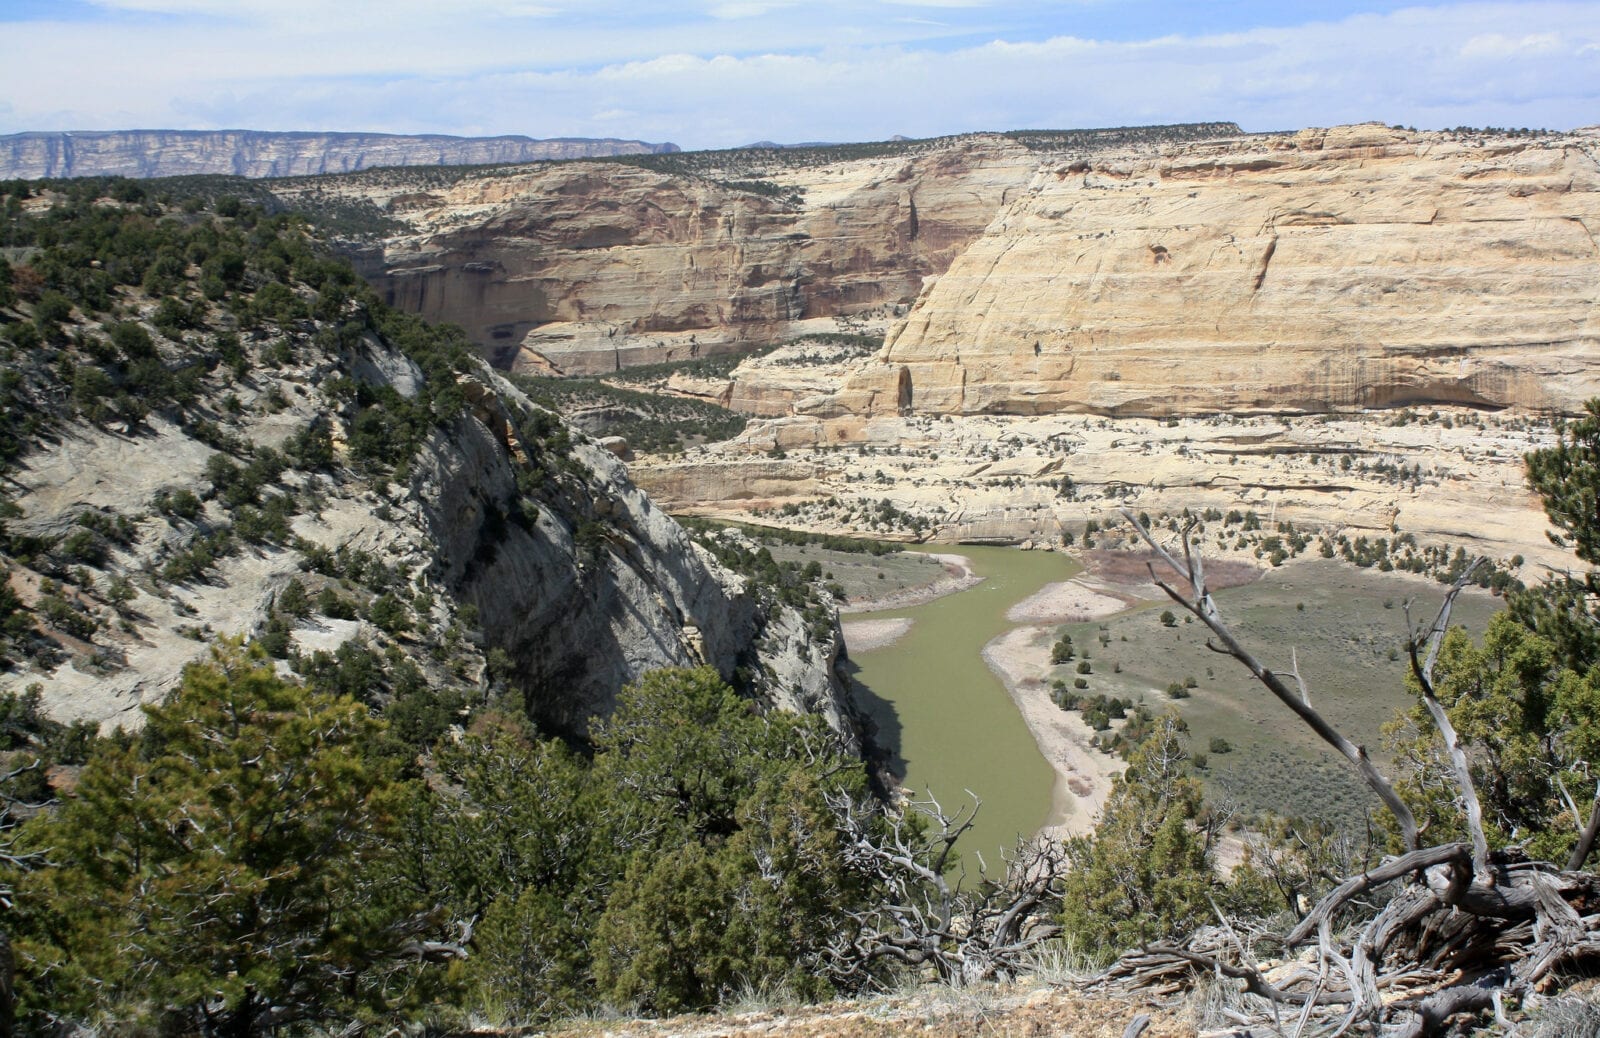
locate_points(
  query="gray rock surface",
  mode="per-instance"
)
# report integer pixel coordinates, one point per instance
(255, 153)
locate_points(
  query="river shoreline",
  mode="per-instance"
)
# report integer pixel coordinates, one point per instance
(866, 635)
(1020, 658)
(958, 576)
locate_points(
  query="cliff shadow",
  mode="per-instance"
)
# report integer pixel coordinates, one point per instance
(881, 732)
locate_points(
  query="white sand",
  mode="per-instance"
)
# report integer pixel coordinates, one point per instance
(862, 635)
(1021, 659)
(1067, 601)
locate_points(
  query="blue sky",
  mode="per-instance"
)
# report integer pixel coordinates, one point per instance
(717, 73)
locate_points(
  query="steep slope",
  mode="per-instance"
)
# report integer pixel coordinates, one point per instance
(276, 454)
(258, 153)
(1321, 271)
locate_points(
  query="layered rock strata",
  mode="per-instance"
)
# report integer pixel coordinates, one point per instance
(586, 268)
(576, 617)
(1451, 476)
(1321, 271)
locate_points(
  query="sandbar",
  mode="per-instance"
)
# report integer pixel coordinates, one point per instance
(1083, 774)
(862, 635)
(1067, 601)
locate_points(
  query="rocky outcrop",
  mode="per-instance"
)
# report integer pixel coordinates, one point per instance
(1449, 477)
(1321, 271)
(256, 153)
(569, 571)
(1324, 270)
(588, 268)
(580, 620)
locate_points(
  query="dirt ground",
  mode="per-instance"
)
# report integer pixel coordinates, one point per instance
(1027, 1009)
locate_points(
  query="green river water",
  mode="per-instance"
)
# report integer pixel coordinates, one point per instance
(946, 716)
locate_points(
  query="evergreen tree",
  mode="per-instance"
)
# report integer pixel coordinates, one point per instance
(1567, 478)
(1146, 873)
(1528, 722)
(695, 854)
(221, 871)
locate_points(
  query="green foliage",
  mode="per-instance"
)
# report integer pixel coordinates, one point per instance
(1526, 721)
(191, 266)
(692, 854)
(1146, 872)
(1062, 651)
(224, 866)
(1567, 478)
(775, 535)
(1525, 699)
(389, 614)
(788, 582)
(181, 503)
(293, 600)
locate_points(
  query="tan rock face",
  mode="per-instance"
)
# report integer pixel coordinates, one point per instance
(592, 267)
(1328, 270)
(1452, 477)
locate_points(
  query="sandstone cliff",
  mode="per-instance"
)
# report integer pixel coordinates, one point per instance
(1320, 271)
(590, 267)
(256, 153)
(575, 627)
(1323, 270)
(580, 621)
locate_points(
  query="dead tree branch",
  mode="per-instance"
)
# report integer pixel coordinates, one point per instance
(966, 931)
(1431, 640)
(1430, 937)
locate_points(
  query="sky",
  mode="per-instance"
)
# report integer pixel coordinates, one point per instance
(721, 73)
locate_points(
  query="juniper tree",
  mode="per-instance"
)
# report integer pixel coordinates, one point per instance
(224, 868)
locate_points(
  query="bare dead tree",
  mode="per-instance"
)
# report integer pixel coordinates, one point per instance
(931, 914)
(1451, 931)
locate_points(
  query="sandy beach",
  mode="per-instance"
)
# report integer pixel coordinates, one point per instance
(1067, 601)
(861, 635)
(1021, 659)
(958, 576)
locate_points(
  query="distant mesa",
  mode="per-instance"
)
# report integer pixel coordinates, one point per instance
(775, 146)
(260, 153)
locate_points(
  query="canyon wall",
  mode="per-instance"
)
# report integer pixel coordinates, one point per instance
(1325, 270)
(1321, 271)
(255, 153)
(586, 268)
(571, 572)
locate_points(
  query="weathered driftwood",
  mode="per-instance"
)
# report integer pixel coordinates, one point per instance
(1433, 937)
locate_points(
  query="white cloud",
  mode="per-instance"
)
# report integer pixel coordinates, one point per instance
(822, 70)
(1499, 45)
(746, 10)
